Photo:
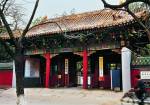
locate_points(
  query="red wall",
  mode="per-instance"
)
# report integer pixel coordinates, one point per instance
(5, 78)
(134, 72)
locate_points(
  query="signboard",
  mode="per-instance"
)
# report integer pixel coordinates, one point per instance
(101, 68)
(145, 74)
(66, 66)
(32, 68)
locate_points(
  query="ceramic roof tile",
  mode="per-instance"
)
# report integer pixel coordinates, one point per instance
(100, 19)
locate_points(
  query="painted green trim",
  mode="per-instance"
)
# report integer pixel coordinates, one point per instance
(75, 49)
(141, 61)
(6, 66)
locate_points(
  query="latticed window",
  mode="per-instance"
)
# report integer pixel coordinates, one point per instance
(137, 61)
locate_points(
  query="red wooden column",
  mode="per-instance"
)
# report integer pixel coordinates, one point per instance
(85, 69)
(48, 66)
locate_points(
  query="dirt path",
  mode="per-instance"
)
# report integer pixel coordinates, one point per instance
(71, 96)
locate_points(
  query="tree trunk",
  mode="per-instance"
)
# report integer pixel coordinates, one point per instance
(19, 69)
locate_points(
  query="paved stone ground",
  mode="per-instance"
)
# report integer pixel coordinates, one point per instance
(62, 96)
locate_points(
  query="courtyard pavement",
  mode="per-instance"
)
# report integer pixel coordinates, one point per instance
(62, 96)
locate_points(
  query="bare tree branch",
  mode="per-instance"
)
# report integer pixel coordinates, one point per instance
(125, 5)
(140, 22)
(10, 33)
(3, 7)
(127, 2)
(15, 14)
(29, 23)
(18, 54)
(6, 5)
(57, 25)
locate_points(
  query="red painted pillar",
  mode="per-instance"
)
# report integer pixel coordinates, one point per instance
(85, 69)
(48, 66)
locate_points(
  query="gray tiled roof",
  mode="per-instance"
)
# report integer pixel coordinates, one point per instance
(89, 20)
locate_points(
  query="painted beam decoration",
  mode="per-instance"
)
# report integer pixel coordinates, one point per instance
(101, 69)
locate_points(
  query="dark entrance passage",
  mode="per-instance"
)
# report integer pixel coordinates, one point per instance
(107, 64)
(64, 70)
(104, 70)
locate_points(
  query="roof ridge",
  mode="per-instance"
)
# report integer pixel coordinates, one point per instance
(72, 15)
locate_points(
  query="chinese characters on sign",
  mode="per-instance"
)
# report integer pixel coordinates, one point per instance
(145, 74)
(101, 72)
(66, 66)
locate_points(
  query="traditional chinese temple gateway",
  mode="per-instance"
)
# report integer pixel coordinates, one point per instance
(79, 50)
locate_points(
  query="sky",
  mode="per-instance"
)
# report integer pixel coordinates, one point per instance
(52, 8)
